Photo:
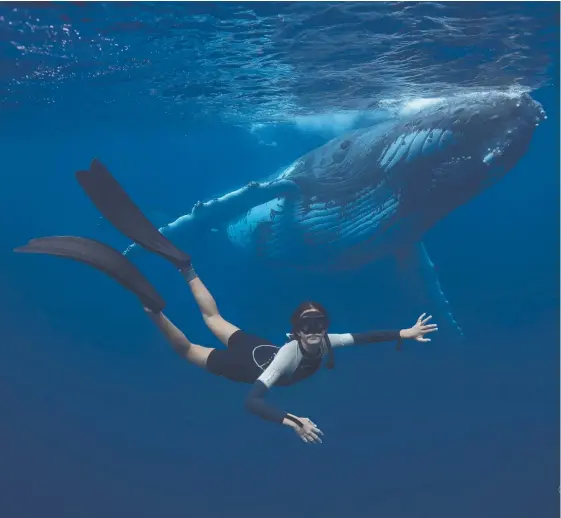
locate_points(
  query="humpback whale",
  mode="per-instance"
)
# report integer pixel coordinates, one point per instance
(375, 191)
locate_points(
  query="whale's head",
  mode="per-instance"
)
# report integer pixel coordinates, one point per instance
(450, 152)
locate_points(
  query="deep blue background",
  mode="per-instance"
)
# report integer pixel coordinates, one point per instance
(98, 417)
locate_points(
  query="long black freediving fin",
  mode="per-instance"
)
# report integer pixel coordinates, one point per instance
(118, 208)
(103, 258)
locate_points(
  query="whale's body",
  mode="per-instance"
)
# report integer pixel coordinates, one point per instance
(375, 191)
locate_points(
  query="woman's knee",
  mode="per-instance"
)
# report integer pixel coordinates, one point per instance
(198, 355)
(221, 328)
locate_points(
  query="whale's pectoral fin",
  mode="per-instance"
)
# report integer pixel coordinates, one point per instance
(220, 210)
(216, 213)
(419, 273)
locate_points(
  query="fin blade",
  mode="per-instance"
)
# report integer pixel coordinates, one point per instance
(101, 257)
(117, 207)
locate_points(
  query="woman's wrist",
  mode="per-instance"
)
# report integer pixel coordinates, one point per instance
(292, 421)
(404, 333)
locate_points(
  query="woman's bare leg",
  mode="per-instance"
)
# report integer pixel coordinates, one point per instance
(221, 328)
(193, 353)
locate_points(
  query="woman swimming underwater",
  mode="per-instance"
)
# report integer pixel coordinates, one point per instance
(247, 358)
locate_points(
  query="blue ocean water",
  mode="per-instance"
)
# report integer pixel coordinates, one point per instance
(184, 101)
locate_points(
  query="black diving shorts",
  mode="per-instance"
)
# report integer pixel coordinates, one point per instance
(245, 359)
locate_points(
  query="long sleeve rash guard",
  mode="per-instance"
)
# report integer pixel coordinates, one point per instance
(291, 364)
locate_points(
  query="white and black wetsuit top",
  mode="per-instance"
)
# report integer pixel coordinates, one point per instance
(292, 364)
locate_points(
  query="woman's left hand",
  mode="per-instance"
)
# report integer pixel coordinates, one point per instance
(419, 330)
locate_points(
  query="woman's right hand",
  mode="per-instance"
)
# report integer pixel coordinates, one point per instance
(309, 432)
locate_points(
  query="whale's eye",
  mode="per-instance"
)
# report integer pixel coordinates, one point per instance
(340, 154)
